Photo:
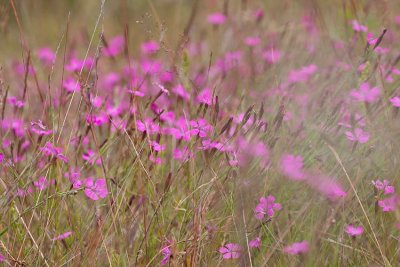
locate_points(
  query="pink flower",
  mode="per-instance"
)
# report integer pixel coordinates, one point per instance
(46, 56)
(327, 186)
(115, 46)
(216, 18)
(297, 248)
(365, 93)
(272, 55)
(205, 97)
(2, 258)
(156, 146)
(395, 101)
(179, 90)
(266, 206)
(357, 136)
(147, 126)
(390, 203)
(42, 183)
(384, 186)
(96, 189)
(252, 41)
(230, 251)
(150, 47)
(91, 157)
(354, 230)
(1, 157)
(50, 150)
(255, 243)
(167, 253)
(62, 236)
(357, 27)
(302, 75)
(70, 85)
(292, 167)
(39, 128)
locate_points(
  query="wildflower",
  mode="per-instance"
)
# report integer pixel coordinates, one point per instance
(395, 101)
(205, 97)
(302, 75)
(384, 186)
(1, 157)
(365, 93)
(327, 186)
(272, 55)
(156, 146)
(230, 251)
(216, 18)
(266, 206)
(91, 157)
(292, 167)
(2, 258)
(167, 254)
(354, 230)
(255, 243)
(46, 56)
(252, 41)
(70, 85)
(95, 189)
(50, 150)
(357, 136)
(150, 47)
(39, 128)
(115, 46)
(390, 203)
(297, 248)
(42, 183)
(147, 126)
(180, 91)
(357, 27)
(62, 236)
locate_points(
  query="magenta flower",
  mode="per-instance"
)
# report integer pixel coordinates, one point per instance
(62, 236)
(91, 157)
(230, 251)
(390, 203)
(266, 206)
(96, 189)
(1, 157)
(39, 128)
(272, 55)
(150, 47)
(216, 18)
(357, 136)
(326, 186)
(46, 56)
(50, 150)
(395, 101)
(70, 85)
(167, 253)
(292, 167)
(147, 126)
(180, 91)
(354, 230)
(357, 27)
(384, 186)
(42, 183)
(115, 46)
(255, 243)
(365, 93)
(252, 41)
(297, 248)
(205, 97)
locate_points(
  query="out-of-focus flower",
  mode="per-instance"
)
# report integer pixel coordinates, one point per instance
(230, 251)
(354, 230)
(216, 18)
(297, 248)
(357, 136)
(365, 93)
